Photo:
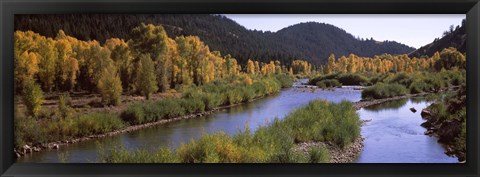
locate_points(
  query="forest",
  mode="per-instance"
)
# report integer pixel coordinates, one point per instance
(313, 42)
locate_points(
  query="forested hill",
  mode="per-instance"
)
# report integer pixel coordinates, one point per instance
(454, 37)
(310, 41)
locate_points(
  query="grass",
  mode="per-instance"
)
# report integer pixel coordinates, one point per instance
(328, 83)
(30, 130)
(274, 143)
(381, 90)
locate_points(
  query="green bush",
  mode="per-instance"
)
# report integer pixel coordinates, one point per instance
(284, 80)
(352, 79)
(134, 114)
(381, 90)
(193, 105)
(318, 155)
(401, 78)
(97, 123)
(419, 87)
(328, 83)
(32, 98)
(211, 100)
(110, 86)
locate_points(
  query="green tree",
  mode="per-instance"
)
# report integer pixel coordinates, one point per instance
(146, 82)
(110, 86)
(32, 98)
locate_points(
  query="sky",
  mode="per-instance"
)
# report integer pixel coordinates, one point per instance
(414, 30)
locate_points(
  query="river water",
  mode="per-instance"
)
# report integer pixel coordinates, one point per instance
(393, 135)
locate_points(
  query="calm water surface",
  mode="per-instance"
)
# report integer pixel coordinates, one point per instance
(393, 135)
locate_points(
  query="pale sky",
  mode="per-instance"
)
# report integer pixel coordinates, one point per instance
(414, 30)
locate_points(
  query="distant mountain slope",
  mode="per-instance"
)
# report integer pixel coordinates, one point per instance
(320, 40)
(310, 41)
(457, 39)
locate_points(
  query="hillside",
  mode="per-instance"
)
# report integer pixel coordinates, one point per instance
(310, 41)
(456, 38)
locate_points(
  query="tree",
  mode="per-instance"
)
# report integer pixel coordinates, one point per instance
(110, 86)
(26, 66)
(331, 64)
(121, 55)
(248, 80)
(146, 82)
(450, 58)
(47, 66)
(32, 98)
(148, 39)
(250, 67)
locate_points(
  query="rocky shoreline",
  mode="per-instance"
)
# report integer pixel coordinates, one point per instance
(337, 155)
(444, 131)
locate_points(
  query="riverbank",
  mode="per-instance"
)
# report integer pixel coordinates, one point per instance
(27, 149)
(449, 129)
(337, 155)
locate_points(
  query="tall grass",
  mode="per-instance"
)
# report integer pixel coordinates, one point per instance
(328, 83)
(29, 130)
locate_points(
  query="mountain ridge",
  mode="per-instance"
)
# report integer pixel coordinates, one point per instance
(456, 38)
(219, 33)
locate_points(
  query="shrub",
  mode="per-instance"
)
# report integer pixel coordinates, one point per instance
(248, 94)
(64, 104)
(352, 79)
(232, 97)
(97, 123)
(32, 98)
(401, 78)
(215, 148)
(381, 90)
(284, 80)
(134, 114)
(328, 83)
(318, 155)
(27, 130)
(193, 105)
(419, 87)
(145, 82)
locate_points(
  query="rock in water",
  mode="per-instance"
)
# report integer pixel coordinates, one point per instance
(413, 110)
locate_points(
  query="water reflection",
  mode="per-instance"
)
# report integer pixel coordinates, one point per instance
(394, 135)
(391, 105)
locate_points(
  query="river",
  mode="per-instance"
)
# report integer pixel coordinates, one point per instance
(390, 130)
